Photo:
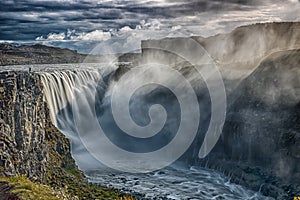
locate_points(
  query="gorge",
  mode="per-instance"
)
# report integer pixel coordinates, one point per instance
(259, 147)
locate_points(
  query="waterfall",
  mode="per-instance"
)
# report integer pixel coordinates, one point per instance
(81, 106)
(60, 88)
(138, 120)
(79, 100)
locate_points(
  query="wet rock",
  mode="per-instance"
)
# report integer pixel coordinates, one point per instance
(22, 133)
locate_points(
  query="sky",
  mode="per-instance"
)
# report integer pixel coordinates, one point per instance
(118, 26)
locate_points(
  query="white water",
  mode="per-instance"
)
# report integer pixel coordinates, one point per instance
(60, 88)
(64, 87)
(175, 184)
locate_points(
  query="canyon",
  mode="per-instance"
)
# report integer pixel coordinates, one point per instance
(260, 142)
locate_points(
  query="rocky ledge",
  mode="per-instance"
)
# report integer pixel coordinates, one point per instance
(31, 146)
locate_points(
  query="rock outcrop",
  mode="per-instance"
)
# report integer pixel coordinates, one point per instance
(237, 53)
(260, 144)
(31, 145)
(22, 124)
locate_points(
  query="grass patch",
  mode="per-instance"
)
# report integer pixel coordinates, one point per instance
(25, 189)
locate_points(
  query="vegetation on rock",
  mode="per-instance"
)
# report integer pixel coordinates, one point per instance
(35, 158)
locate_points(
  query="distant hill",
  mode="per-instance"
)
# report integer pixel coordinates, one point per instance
(37, 54)
(41, 54)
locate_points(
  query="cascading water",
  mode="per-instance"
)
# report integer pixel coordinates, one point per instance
(78, 99)
(60, 88)
(62, 91)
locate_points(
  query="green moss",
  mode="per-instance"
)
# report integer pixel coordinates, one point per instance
(25, 189)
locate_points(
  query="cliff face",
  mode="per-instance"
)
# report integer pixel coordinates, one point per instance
(237, 53)
(249, 44)
(31, 145)
(260, 144)
(262, 125)
(22, 121)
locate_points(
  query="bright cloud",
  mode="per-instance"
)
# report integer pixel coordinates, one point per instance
(72, 35)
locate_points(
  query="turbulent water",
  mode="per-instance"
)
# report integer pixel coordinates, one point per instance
(175, 183)
(70, 94)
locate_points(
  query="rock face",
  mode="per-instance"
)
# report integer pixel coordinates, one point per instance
(22, 124)
(260, 144)
(31, 145)
(263, 119)
(237, 53)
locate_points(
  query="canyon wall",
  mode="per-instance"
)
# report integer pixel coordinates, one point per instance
(31, 145)
(22, 123)
(236, 54)
(260, 144)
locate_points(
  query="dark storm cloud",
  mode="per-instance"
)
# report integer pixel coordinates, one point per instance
(27, 19)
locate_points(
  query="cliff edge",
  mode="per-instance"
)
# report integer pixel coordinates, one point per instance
(31, 146)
